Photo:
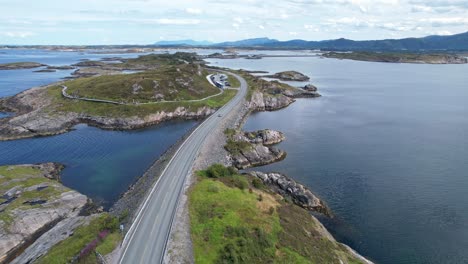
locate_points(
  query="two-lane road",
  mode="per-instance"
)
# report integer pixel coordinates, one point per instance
(146, 240)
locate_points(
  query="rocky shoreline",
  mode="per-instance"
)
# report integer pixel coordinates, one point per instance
(253, 149)
(36, 205)
(32, 118)
(180, 244)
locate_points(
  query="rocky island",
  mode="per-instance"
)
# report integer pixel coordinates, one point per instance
(289, 76)
(20, 65)
(419, 58)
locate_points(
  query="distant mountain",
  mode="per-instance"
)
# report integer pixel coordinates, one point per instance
(248, 42)
(184, 42)
(430, 43)
(458, 42)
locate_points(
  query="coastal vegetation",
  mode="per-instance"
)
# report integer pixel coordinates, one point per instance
(170, 83)
(398, 57)
(100, 235)
(237, 219)
(64, 105)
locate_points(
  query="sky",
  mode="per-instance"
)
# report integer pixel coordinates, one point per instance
(87, 22)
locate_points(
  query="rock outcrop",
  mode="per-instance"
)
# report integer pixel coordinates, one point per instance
(289, 76)
(310, 87)
(257, 155)
(265, 137)
(266, 102)
(253, 148)
(61, 231)
(298, 193)
(33, 204)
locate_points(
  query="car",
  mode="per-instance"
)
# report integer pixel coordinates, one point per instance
(219, 115)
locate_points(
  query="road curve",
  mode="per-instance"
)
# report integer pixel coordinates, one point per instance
(146, 239)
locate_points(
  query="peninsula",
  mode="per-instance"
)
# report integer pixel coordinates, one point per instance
(172, 86)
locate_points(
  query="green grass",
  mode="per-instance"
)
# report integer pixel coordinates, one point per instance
(233, 81)
(61, 104)
(109, 243)
(169, 83)
(64, 251)
(225, 225)
(236, 147)
(230, 224)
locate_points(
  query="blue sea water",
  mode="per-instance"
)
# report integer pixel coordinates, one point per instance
(386, 148)
(99, 163)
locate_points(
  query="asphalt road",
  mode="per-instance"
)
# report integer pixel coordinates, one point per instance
(146, 240)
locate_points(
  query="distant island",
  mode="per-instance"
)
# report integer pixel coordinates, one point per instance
(400, 57)
(436, 43)
(20, 65)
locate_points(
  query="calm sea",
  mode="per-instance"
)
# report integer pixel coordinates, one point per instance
(386, 148)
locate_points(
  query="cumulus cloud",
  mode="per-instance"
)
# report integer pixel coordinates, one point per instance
(311, 19)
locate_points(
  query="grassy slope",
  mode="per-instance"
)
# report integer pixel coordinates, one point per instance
(23, 177)
(119, 88)
(176, 82)
(231, 224)
(109, 110)
(64, 251)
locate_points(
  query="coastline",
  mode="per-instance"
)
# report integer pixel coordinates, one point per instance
(34, 120)
(180, 247)
(212, 152)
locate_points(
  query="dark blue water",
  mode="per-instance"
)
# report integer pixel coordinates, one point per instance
(101, 164)
(15, 81)
(386, 147)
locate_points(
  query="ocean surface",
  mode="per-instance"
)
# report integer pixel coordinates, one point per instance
(386, 148)
(99, 163)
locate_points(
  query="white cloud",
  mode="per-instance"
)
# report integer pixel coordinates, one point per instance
(177, 21)
(18, 34)
(194, 11)
(239, 20)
